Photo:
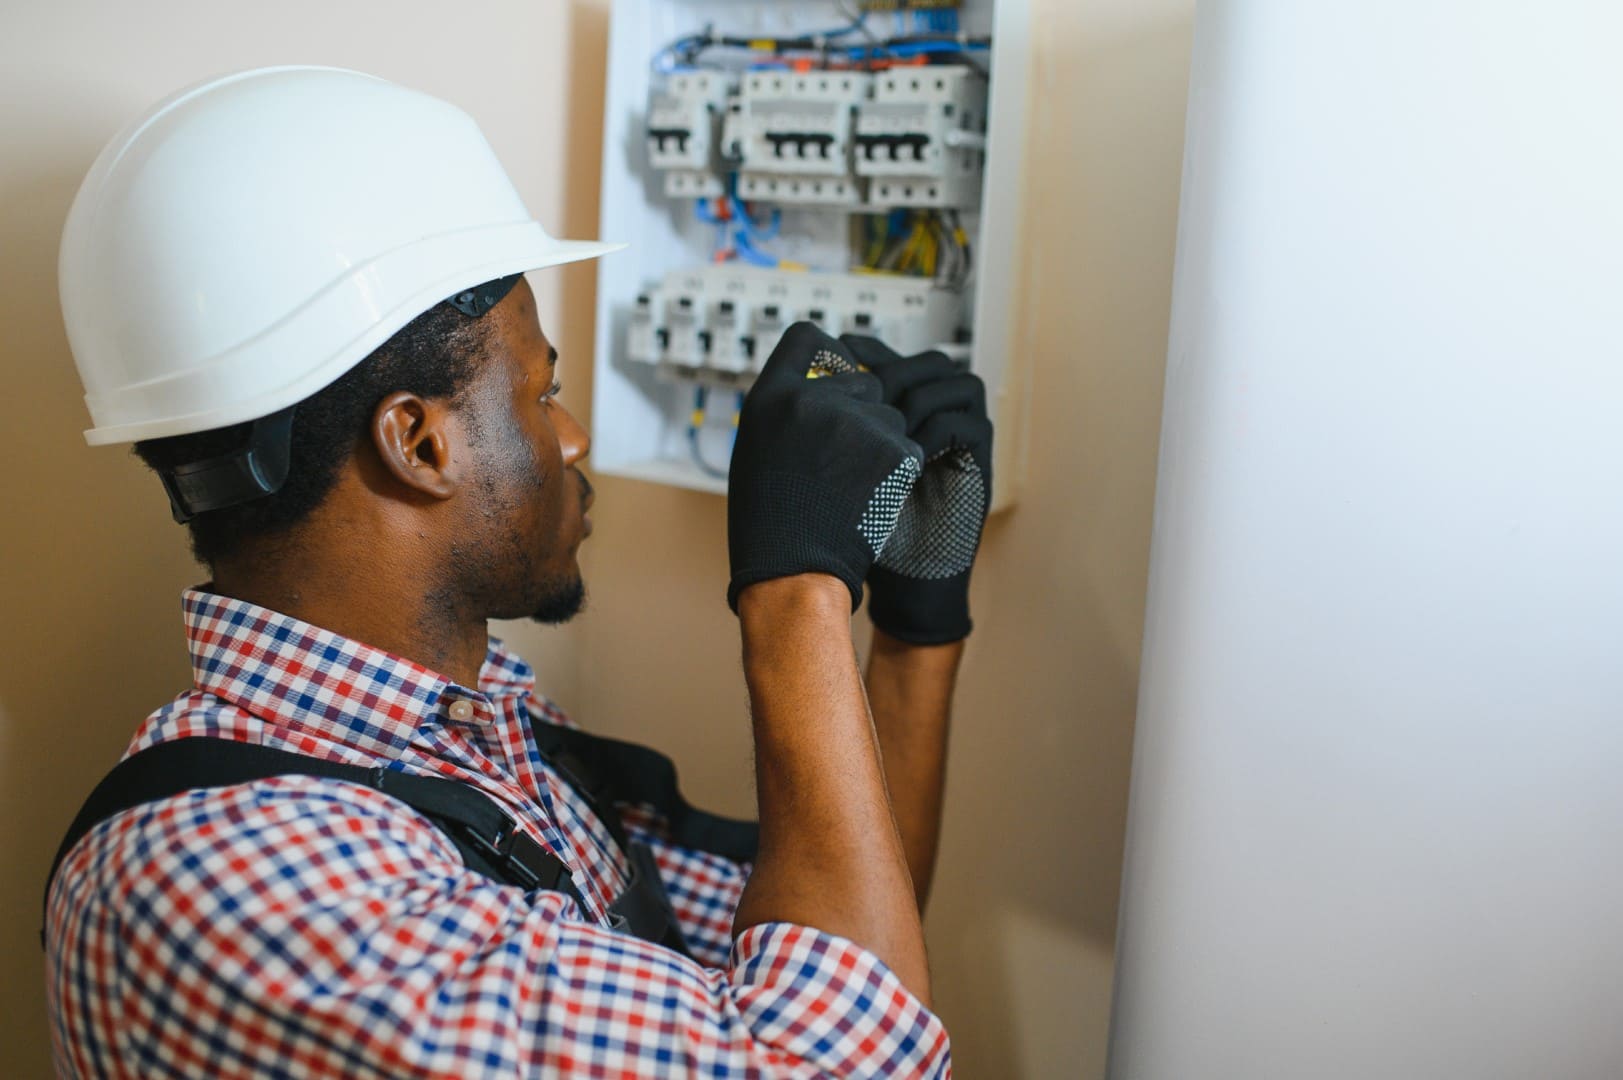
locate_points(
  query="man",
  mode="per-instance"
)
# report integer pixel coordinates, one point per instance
(329, 354)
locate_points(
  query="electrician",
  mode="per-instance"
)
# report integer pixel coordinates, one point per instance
(362, 844)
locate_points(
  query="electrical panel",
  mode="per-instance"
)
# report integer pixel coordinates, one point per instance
(854, 165)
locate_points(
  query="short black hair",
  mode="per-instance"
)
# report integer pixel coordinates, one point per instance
(433, 356)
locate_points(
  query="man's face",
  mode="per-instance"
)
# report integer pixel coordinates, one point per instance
(525, 514)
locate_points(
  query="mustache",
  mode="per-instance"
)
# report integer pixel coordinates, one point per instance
(586, 490)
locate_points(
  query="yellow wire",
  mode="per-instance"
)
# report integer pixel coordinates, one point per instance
(876, 249)
(911, 252)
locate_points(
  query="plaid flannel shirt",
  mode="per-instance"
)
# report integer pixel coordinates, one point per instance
(299, 926)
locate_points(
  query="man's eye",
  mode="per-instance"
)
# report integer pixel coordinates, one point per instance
(553, 391)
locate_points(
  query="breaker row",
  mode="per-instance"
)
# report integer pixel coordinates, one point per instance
(725, 320)
(907, 137)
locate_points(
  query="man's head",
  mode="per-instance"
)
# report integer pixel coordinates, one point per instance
(443, 455)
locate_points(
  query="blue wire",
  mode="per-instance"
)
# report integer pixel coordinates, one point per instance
(698, 458)
(742, 217)
(850, 28)
(693, 438)
(749, 254)
(669, 50)
(747, 231)
(918, 48)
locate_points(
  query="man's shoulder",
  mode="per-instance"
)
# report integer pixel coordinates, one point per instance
(250, 855)
(543, 710)
(192, 714)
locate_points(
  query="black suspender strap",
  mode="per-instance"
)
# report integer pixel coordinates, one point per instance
(603, 771)
(488, 840)
(607, 771)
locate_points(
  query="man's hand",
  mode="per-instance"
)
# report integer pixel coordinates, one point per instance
(918, 588)
(820, 470)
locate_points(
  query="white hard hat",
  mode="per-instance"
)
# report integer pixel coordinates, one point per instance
(250, 239)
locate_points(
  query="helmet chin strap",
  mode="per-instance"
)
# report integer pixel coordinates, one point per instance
(259, 467)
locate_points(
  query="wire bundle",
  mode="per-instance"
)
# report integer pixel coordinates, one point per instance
(827, 49)
(927, 243)
(739, 233)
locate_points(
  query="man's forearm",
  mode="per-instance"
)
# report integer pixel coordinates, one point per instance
(910, 691)
(830, 854)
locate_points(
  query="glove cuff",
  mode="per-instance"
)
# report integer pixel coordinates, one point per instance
(919, 611)
(745, 578)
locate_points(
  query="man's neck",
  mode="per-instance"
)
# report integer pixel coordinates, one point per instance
(364, 599)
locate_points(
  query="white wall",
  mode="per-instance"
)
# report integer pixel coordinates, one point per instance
(1377, 808)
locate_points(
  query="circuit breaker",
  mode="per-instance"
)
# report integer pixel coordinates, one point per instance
(793, 137)
(853, 165)
(921, 137)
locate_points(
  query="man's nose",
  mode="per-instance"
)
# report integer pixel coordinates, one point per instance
(572, 438)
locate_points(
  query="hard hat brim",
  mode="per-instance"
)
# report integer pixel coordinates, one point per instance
(376, 289)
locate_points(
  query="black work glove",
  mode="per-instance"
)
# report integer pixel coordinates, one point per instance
(918, 589)
(820, 470)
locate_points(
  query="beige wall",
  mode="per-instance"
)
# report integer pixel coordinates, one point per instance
(1022, 924)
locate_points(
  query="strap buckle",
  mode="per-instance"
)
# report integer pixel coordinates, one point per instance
(520, 859)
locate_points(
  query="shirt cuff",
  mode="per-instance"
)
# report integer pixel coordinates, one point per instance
(824, 999)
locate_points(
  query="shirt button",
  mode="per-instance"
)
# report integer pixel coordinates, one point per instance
(461, 709)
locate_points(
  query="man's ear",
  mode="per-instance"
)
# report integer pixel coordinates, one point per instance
(417, 441)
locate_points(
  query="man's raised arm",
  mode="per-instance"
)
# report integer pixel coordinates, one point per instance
(819, 475)
(830, 853)
(918, 588)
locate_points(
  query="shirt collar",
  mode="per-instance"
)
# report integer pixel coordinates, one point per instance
(300, 676)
